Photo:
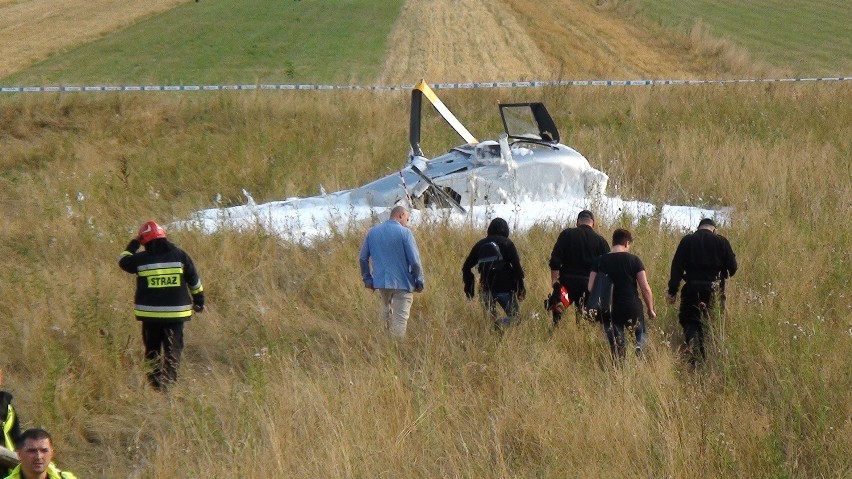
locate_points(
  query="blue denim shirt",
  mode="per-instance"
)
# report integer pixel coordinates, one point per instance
(396, 260)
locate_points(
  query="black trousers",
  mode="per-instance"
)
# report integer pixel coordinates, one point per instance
(163, 347)
(697, 303)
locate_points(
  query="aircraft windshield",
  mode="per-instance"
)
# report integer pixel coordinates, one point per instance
(520, 122)
(529, 121)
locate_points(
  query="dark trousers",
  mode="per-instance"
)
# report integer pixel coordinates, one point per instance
(163, 347)
(507, 300)
(576, 286)
(697, 303)
(614, 331)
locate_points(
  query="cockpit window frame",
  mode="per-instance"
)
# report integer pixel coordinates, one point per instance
(537, 112)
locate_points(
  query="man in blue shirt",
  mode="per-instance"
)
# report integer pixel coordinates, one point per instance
(396, 270)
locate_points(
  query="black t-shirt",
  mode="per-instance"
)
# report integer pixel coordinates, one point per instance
(623, 269)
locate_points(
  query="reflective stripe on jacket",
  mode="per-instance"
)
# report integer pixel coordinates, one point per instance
(166, 281)
(8, 424)
(52, 473)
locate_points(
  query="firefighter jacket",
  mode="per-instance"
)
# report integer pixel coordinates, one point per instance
(167, 283)
(52, 473)
(11, 429)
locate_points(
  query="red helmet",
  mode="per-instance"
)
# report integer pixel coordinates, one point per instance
(564, 301)
(150, 231)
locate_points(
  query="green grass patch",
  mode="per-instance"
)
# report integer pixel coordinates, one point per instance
(219, 41)
(811, 37)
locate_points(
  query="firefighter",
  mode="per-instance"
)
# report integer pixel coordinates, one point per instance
(168, 291)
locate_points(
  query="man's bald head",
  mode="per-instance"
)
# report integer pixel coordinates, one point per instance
(397, 212)
(400, 214)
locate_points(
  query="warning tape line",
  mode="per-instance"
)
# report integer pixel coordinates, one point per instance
(443, 86)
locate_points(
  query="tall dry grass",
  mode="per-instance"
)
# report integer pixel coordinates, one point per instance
(288, 373)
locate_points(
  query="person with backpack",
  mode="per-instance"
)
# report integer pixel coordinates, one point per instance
(501, 277)
(571, 261)
(626, 272)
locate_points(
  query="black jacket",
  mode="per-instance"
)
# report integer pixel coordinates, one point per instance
(702, 256)
(167, 284)
(510, 278)
(575, 251)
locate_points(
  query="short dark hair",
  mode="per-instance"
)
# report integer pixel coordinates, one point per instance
(35, 434)
(707, 222)
(585, 215)
(621, 236)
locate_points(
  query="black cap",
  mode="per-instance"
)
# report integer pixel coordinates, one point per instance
(585, 215)
(707, 222)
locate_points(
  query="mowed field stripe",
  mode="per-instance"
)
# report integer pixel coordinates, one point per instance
(32, 30)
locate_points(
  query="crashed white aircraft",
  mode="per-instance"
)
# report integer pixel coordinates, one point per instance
(526, 176)
(527, 163)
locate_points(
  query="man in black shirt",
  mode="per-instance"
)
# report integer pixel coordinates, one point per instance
(571, 260)
(703, 260)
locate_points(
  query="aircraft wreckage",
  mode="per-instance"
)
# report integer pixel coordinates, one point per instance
(526, 165)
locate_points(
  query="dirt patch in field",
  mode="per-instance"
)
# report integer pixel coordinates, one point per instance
(487, 40)
(460, 40)
(31, 30)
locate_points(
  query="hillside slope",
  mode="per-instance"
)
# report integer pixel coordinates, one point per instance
(440, 40)
(803, 37)
(32, 30)
(483, 40)
(288, 372)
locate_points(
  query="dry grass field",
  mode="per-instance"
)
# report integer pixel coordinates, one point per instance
(287, 373)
